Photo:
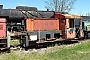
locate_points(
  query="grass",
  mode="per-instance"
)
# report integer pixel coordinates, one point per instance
(13, 42)
(75, 52)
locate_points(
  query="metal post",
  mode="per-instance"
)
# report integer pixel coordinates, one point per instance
(39, 35)
(27, 42)
(8, 39)
(81, 27)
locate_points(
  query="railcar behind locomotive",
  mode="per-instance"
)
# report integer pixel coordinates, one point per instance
(4, 36)
(86, 26)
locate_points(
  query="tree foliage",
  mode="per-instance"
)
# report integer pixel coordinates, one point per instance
(60, 5)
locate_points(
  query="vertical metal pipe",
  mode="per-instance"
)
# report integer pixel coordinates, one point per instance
(27, 42)
(8, 39)
(39, 35)
(81, 27)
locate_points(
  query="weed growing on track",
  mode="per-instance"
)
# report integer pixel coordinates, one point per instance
(13, 42)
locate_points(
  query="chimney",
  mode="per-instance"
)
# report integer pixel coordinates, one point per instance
(1, 6)
(47, 9)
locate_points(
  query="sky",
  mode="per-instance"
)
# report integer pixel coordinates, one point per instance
(81, 7)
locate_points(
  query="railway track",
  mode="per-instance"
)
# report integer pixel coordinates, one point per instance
(47, 47)
(45, 44)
